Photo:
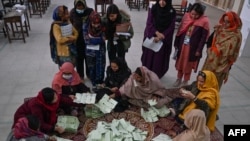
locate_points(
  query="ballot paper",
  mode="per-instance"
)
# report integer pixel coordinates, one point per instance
(150, 44)
(85, 98)
(69, 123)
(106, 104)
(117, 130)
(152, 114)
(66, 30)
(162, 137)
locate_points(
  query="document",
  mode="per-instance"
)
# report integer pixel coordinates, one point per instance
(162, 137)
(69, 123)
(85, 98)
(106, 104)
(93, 47)
(150, 44)
(67, 30)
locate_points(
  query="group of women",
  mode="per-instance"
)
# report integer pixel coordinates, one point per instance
(195, 105)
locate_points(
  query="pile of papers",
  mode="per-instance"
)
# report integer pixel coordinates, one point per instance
(152, 114)
(91, 111)
(106, 104)
(162, 137)
(117, 130)
(85, 98)
(67, 30)
(69, 123)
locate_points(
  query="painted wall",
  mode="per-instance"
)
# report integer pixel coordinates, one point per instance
(245, 28)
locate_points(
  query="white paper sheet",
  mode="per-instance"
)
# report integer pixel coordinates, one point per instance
(93, 47)
(85, 98)
(149, 43)
(106, 104)
(67, 30)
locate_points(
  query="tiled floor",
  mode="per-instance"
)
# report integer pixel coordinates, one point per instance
(27, 67)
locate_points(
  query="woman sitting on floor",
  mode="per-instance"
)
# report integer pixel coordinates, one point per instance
(195, 122)
(144, 85)
(44, 106)
(27, 128)
(202, 94)
(116, 75)
(68, 82)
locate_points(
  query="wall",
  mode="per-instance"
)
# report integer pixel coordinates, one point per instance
(245, 28)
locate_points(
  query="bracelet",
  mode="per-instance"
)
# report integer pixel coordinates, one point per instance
(195, 98)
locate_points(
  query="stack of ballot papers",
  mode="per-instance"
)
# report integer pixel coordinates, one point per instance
(117, 130)
(106, 104)
(152, 114)
(69, 123)
(61, 139)
(91, 111)
(67, 30)
(151, 44)
(162, 137)
(85, 98)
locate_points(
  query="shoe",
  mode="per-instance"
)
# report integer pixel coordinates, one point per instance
(177, 83)
(184, 83)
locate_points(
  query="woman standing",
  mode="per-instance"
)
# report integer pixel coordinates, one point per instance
(95, 48)
(78, 17)
(225, 46)
(189, 41)
(160, 26)
(117, 45)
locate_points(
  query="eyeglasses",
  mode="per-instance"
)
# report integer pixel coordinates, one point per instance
(201, 73)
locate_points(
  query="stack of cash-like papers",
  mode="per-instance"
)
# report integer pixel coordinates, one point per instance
(152, 114)
(69, 123)
(162, 137)
(117, 130)
(106, 104)
(85, 98)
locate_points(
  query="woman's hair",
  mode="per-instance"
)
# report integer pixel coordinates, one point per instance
(48, 95)
(138, 71)
(112, 9)
(120, 62)
(198, 8)
(33, 122)
(202, 74)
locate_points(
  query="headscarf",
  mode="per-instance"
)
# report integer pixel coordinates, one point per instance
(59, 81)
(55, 14)
(195, 121)
(163, 15)
(52, 108)
(22, 130)
(150, 86)
(223, 34)
(111, 25)
(209, 92)
(187, 21)
(95, 17)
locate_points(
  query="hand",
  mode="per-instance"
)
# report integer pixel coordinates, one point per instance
(114, 89)
(172, 133)
(71, 39)
(52, 138)
(72, 97)
(160, 35)
(197, 53)
(112, 96)
(59, 129)
(186, 94)
(156, 39)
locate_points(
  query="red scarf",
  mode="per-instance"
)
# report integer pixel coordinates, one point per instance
(22, 130)
(52, 108)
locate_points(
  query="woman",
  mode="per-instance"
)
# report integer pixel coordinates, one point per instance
(225, 46)
(95, 48)
(195, 122)
(160, 26)
(189, 41)
(44, 106)
(117, 45)
(144, 85)
(117, 74)
(27, 128)
(68, 82)
(202, 94)
(79, 16)
(64, 34)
